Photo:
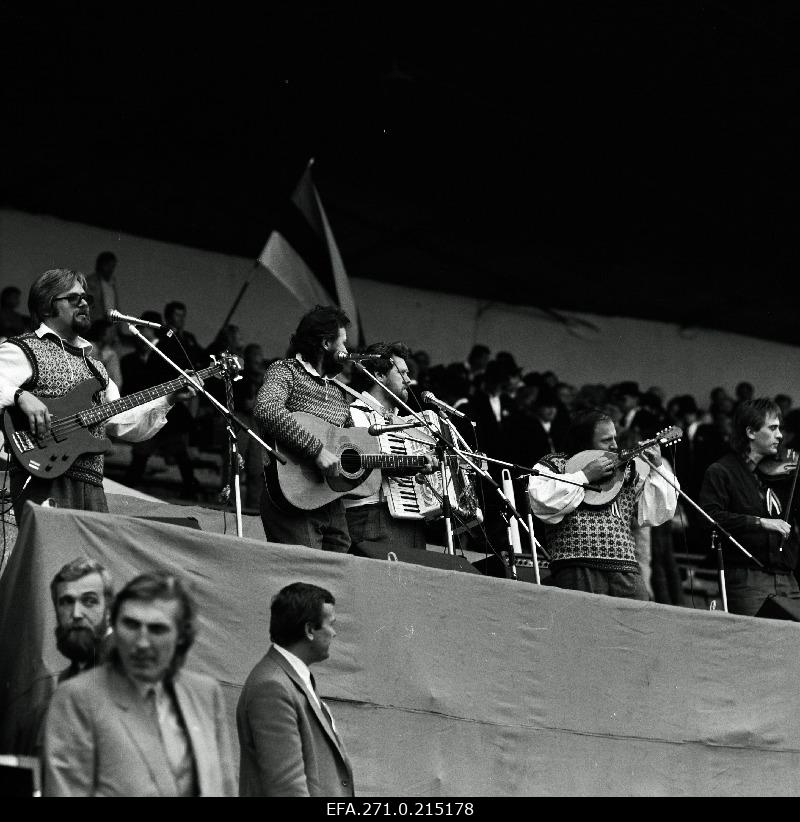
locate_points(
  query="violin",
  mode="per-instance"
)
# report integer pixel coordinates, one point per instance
(775, 469)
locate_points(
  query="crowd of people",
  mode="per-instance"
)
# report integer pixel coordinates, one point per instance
(564, 443)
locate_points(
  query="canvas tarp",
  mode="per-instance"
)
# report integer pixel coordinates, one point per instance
(451, 684)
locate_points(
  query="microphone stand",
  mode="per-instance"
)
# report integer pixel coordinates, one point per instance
(229, 416)
(716, 530)
(234, 461)
(442, 445)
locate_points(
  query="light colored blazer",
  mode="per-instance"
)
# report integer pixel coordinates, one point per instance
(287, 745)
(100, 739)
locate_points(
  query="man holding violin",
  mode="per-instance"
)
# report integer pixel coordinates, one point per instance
(591, 545)
(744, 492)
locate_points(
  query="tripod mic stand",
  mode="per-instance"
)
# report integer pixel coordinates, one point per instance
(717, 529)
(229, 416)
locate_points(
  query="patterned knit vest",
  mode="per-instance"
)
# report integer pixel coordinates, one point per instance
(56, 372)
(595, 537)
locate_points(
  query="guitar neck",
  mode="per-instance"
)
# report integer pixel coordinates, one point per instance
(392, 461)
(103, 412)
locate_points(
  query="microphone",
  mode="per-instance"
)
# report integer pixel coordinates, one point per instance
(376, 429)
(428, 397)
(115, 316)
(344, 356)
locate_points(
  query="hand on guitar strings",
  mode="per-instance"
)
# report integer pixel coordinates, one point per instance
(327, 462)
(653, 454)
(431, 464)
(36, 413)
(186, 392)
(599, 469)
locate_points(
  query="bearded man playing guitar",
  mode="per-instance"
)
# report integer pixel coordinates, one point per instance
(303, 383)
(47, 365)
(591, 545)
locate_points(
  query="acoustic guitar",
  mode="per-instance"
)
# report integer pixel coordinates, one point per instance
(302, 485)
(612, 485)
(49, 455)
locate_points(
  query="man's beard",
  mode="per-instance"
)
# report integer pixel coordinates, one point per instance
(81, 323)
(80, 645)
(330, 365)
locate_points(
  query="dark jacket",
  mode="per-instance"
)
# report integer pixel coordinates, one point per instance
(735, 497)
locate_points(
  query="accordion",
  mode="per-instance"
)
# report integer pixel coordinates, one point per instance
(420, 496)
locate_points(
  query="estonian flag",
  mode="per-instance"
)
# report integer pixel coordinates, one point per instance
(302, 253)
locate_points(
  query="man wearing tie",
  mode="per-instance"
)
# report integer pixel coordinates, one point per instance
(139, 725)
(289, 745)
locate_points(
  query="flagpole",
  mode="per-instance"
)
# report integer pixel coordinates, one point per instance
(239, 296)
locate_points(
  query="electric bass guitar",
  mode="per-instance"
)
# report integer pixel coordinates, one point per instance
(49, 455)
(301, 485)
(612, 485)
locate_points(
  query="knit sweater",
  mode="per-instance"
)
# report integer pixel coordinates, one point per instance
(289, 386)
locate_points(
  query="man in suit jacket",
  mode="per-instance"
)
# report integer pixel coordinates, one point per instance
(288, 742)
(139, 725)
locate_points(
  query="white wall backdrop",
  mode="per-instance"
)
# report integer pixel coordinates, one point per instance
(151, 273)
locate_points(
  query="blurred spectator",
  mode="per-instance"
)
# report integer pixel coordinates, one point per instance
(791, 433)
(594, 396)
(422, 361)
(102, 335)
(626, 396)
(531, 427)
(102, 285)
(179, 345)
(566, 394)
(137, 374)
(477, 361)
(148, 369)
(228, 339)
(12, 323)
(784, 402)
(744, 392)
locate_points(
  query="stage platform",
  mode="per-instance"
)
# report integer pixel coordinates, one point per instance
(446, 683)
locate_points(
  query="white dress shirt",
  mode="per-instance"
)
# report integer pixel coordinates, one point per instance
(657, 497)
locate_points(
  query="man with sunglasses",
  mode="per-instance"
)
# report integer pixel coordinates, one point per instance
(49, 363)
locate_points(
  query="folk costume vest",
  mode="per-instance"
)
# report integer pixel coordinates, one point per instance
(56, 371)
(595, 537)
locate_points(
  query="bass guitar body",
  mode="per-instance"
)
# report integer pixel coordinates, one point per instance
(50, 455)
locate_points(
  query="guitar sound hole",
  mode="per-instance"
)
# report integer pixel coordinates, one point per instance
(350, 460)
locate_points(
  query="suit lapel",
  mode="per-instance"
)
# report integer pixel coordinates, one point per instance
(199, 744)
(143, 731)
(284, 665)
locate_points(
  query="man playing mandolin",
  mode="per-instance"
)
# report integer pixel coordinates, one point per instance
(40, 368)
(591, 545)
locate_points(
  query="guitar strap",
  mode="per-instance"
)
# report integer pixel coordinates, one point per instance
(365, 398)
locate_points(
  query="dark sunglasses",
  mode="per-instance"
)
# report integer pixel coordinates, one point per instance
(75, 299)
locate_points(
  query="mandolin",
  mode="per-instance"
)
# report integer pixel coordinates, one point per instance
(612, 485)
